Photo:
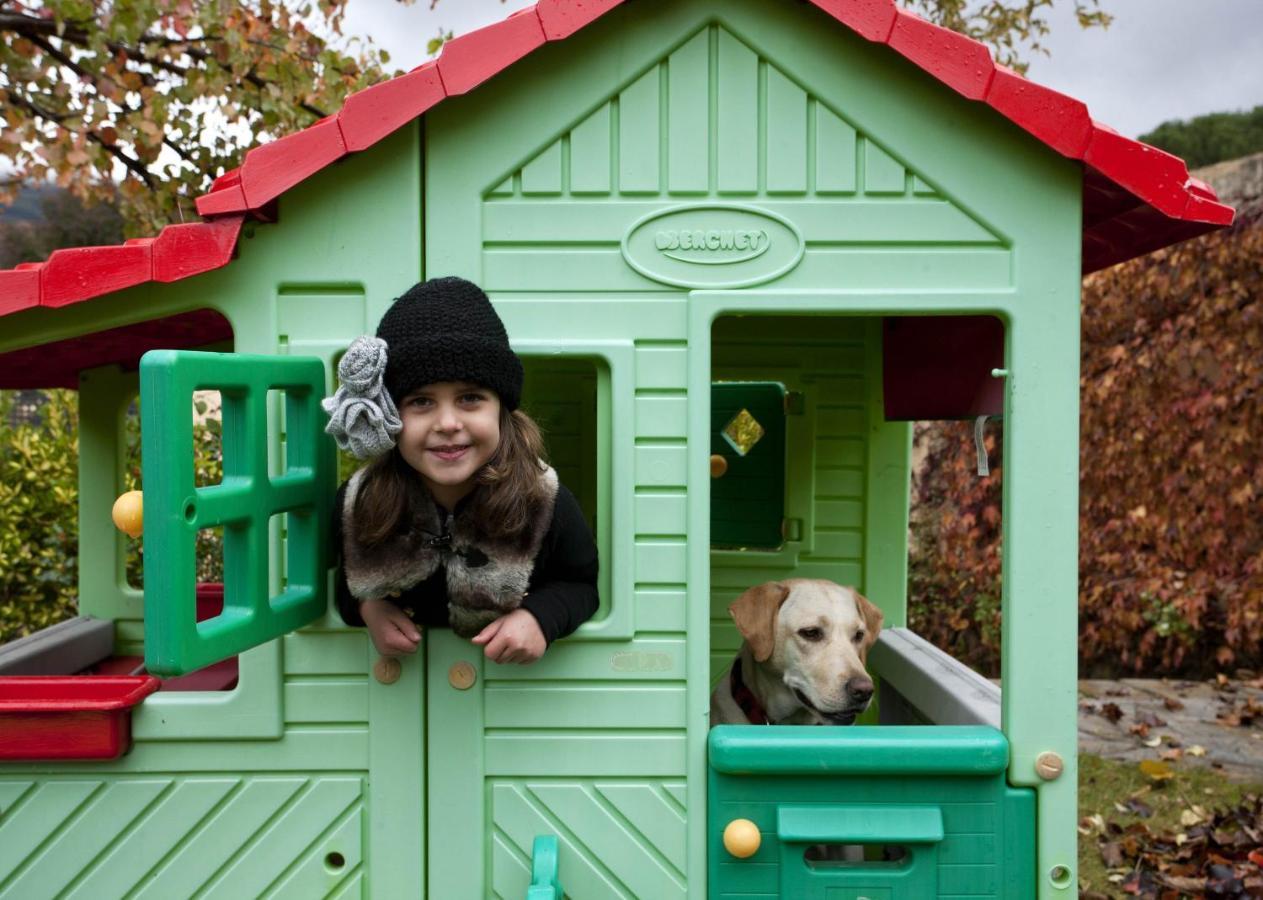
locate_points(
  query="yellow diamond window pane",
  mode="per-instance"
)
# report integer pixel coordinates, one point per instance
(743, 432)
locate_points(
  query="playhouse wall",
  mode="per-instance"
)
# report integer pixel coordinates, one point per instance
(557, 186)
(262, 790)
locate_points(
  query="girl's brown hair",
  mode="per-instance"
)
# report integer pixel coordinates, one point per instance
(508, 486)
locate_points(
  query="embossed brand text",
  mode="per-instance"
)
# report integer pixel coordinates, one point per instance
(714, 239)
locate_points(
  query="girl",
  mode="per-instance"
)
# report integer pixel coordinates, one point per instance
(456, 520)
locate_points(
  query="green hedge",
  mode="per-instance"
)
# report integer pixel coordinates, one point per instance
(39, 501)
(39, 532)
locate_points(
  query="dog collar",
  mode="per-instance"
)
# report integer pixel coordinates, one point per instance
(745, 698)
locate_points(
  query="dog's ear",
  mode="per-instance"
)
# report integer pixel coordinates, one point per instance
(872, 617)
(755, 614)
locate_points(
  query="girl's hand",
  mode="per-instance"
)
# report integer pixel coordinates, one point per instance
(513, 638)
(393, 633)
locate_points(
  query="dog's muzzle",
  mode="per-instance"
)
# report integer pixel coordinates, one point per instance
(859, 691)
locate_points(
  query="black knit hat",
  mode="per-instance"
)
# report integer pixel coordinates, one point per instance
(445, 329)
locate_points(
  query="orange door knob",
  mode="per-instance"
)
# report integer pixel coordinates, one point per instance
(718, 465)
(129, 513)
(742, 838)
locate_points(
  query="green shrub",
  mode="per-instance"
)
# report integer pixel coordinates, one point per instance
(39, 494)
(39, 501)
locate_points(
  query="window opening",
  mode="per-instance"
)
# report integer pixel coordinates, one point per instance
(208, 439)
(954, 541)
(39, 501)
(828, 856)
(568, 397)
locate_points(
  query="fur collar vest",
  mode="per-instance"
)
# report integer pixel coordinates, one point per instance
(485, 578)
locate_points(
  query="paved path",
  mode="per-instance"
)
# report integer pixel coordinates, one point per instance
(1235, 750)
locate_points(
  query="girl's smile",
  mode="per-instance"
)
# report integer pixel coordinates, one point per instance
(449, 452)
(450, 430)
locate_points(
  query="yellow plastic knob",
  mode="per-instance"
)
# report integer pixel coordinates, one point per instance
(129, 513)
(742, 838)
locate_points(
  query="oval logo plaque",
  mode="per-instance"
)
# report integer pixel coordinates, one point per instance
(712, 245)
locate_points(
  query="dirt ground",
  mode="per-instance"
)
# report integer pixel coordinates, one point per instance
(1217, 724)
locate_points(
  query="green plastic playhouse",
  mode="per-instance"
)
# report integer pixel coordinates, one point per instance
(768, 232)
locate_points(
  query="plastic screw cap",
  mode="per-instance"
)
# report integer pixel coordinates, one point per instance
(1049, 766)
(387, 669)
(129, 513)
(742, 838)
(462, 675)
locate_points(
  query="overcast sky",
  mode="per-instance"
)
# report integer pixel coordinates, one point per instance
(1159, 60)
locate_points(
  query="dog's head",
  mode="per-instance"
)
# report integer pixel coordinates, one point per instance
(815, 636)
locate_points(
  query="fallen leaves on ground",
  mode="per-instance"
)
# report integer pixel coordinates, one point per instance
(1219, 854)
(1112, 712)
(1156, 770)
(1246, 713)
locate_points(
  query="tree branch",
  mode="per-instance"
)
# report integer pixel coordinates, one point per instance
(180, 151)
(39, 41)
(135, 166)
(34, 29)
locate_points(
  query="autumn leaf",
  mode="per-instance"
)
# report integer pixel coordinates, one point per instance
(1156, 770)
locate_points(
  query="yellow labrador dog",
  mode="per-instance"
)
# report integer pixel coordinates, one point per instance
(802, 662)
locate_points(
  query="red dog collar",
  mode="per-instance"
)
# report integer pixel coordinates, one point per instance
(745, 698)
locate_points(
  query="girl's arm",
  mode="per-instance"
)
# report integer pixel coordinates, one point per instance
(562, 594)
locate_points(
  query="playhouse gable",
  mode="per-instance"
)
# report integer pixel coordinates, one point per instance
(705, 146)
(771, 135)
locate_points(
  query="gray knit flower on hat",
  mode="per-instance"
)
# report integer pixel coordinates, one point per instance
(362, 417)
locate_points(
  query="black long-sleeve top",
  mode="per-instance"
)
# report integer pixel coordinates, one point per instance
(561, 594)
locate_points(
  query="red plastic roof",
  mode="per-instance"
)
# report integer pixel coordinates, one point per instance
(1136, 198)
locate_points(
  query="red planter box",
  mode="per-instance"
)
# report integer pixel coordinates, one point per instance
(46, 717)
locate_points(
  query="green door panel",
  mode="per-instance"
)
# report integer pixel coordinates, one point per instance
(937, 794)
(244, 504)
(747, 501)
(158, 836)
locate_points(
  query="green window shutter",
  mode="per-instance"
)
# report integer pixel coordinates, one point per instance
(747, 502)
(243, 503)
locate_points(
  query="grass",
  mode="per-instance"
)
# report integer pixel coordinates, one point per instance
(1104, 782)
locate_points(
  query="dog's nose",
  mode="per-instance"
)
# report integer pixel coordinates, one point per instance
(859, 689)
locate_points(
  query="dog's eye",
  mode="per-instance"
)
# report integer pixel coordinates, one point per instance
(859, 636)
(810, 634)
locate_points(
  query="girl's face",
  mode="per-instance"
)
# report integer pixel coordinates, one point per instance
(450, 430)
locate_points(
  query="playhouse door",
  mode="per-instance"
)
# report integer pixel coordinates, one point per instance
(455, 767)
(273, 503)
